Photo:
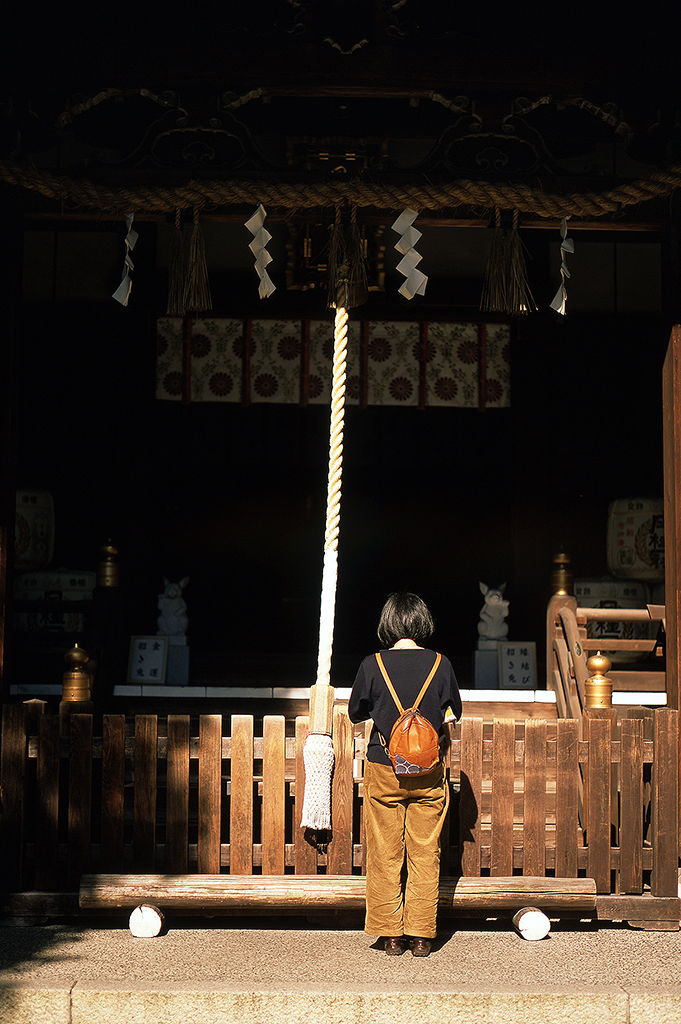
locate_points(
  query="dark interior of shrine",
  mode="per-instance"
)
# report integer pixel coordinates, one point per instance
(433, 500)
(233, 496)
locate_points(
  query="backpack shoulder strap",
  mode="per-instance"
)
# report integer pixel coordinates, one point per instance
(379, 659)
(438, 659)
(389, 684)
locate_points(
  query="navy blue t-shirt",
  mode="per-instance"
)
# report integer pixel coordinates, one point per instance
(408, 669)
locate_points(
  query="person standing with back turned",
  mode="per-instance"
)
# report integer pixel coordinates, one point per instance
(403, 814)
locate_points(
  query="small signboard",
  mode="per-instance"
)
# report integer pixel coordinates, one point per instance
(148, 659)
(517, 666)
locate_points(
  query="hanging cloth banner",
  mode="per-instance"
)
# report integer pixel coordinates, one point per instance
(257, 247)
(122, 293)
(566, 245)
(415, 283)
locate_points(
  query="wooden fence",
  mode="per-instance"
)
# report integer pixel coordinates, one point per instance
(156, 794)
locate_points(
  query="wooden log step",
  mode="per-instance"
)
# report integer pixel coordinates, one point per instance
(273, 893)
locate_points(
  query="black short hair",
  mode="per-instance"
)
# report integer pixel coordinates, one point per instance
(404, 617)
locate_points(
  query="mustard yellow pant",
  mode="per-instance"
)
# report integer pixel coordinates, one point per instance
(403, 816)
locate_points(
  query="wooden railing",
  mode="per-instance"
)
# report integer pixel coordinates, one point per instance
(156, 794)
(569, 648)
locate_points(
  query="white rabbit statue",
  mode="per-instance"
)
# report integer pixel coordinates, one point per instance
(491, 625)
(173, 620)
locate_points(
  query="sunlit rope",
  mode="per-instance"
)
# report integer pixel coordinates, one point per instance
(318, 753)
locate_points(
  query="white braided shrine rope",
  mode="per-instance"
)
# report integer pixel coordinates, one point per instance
(318, 756)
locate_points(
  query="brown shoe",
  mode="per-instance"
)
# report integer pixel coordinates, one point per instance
(394, 946)
(420, 947)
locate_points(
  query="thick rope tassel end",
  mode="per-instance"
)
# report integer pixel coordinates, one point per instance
(318, 758)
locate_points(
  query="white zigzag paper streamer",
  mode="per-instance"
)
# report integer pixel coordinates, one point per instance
(566, 245)
(257, 247)
(122, 293)
(415, 283)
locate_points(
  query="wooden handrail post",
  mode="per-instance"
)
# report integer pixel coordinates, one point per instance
(671, 449)
(665, 797)
(557, 602)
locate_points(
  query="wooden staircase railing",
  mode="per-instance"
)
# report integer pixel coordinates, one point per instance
(569, 648)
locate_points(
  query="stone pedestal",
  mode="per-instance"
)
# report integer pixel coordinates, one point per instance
(486, 665)
(177, 668)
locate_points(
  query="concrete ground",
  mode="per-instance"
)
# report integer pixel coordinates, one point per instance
(226, 971)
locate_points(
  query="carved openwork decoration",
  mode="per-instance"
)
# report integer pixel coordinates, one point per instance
(258, 132)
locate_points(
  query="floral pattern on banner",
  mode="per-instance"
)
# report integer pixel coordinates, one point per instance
(452, 365)
(498, 366)
(217, 359)
(275, 362)
(169, 359)
(393, 362)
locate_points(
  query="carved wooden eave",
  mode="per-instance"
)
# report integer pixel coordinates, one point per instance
(376, 93)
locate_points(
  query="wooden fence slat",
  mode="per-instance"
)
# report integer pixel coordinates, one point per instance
(47, 804)
(13, 756)
(305, 854)
(273, 794)
(470, 797)
(598, 794)
(210, 783)
(503, 772)
(631, 806)
(177, 795)
(647, 716)
(113, 791)
(80, 797)
(665, 794)
(144, 824)
(609, 714)
(534, 805)
(241, 797)
(567, 796)
(340, 846)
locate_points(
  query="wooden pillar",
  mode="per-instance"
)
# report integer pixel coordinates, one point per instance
(11, 269)
(671, 412)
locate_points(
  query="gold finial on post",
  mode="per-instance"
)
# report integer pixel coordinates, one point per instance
(561, 577)
(107, 570)
(598, 688)
(76, 688)
(76, 680)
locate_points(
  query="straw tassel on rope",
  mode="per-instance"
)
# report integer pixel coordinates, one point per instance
(518, 294)
(505, 288)
(493, 299)
(347, 263)
(176, 281)
(197, 297)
